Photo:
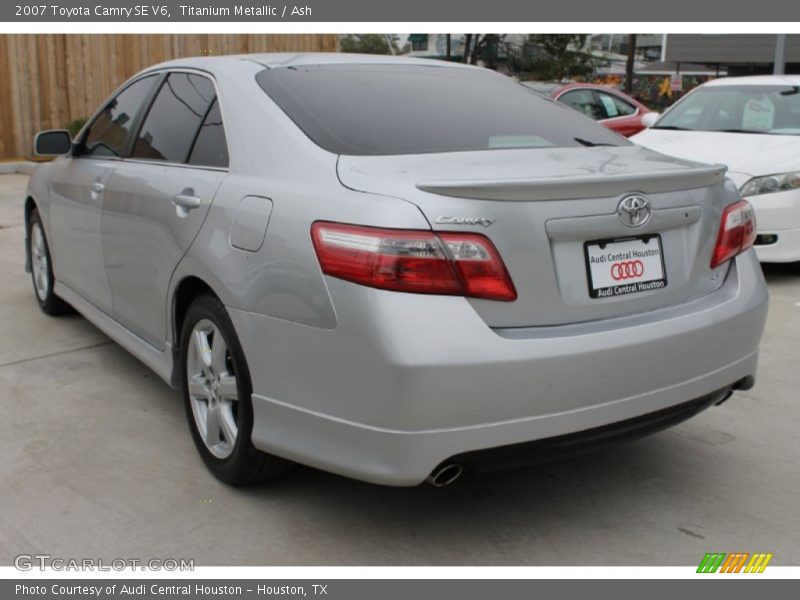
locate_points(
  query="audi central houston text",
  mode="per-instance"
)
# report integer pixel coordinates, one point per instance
(393, 269)
(154, 589)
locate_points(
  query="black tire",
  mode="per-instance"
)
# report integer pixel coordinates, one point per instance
(49, 303)
(245, 465)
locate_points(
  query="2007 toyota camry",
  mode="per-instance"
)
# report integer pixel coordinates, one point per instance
(394, 269)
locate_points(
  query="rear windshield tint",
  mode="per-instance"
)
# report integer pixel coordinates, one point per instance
(410, 109)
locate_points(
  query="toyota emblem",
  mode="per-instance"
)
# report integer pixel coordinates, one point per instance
(634, 210)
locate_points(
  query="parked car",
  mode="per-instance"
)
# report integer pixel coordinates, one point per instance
(339, 265)
(617, 111)
(751, 125)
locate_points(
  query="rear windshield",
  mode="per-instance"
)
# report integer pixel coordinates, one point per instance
(410, 109)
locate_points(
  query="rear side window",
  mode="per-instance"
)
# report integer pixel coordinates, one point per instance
(110, 129)
(210, 148)
(413, 109)
(585, 102)
(616, 106)
(170, 127)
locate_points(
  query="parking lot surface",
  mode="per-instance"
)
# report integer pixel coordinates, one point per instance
(98, 462)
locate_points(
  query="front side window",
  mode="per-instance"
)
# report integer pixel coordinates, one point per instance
(388, 109)
(109, 131)
(170, 127)
(773, 109)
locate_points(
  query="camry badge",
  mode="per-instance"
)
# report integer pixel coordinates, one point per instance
(448, 220)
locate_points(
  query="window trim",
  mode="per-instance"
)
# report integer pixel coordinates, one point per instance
(160, 74)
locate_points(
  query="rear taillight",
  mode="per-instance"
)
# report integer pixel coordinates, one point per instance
(737, 232)
(456, 264)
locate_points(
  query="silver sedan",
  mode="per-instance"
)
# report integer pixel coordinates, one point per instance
(397, 270)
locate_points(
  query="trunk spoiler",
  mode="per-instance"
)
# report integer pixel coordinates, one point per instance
(595, 185)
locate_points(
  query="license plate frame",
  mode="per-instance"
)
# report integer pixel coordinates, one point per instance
(632, 253)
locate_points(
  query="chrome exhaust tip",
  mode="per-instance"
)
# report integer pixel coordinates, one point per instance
(445, 474)
(724, 397)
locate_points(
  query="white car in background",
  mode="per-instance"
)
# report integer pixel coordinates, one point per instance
(751, 125)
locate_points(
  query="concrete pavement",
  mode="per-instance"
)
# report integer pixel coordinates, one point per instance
(97, 461)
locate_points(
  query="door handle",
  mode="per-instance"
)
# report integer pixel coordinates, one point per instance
(96, 189)
(187, 201)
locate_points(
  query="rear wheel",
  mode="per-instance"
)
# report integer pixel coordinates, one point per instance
(217, 394)
(42, 268)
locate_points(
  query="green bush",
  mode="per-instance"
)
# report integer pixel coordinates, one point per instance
(75, 126)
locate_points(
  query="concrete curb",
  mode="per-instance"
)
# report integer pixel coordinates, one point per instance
(25, 167)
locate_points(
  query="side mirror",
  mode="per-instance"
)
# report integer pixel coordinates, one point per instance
(649, 119)
(55, 142)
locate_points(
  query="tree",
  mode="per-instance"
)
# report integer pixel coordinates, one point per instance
(486, 48)
(555, 57)
(467, 46)
(482, 47)
(629, 63)
(370, 43)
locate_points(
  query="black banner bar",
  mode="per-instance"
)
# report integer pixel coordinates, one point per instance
(311, 11)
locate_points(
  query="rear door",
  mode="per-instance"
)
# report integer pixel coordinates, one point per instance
(78, 189)
(159, 197)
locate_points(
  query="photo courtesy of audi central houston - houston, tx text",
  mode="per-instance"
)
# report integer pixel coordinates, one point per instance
(256, 284)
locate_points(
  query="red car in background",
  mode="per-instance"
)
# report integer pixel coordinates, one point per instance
(617, 111)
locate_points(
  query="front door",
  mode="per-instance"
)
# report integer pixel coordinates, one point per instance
(78, 189)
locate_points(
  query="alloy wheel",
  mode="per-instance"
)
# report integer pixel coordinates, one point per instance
(213, 390)
(39, 262)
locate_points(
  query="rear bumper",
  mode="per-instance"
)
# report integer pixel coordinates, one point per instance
(405, 382)
(572, 444)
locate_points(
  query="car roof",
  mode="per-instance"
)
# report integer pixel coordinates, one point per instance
(755, 80)
(278, 60)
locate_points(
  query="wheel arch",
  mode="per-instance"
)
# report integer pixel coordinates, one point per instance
(30, 205)
(186, 290)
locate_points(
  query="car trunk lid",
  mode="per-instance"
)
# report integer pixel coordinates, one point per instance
(541, 207)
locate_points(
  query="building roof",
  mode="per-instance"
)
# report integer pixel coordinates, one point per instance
(727, 48)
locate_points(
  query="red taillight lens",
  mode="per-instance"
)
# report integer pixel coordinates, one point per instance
(737, 232)
(457, 264)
